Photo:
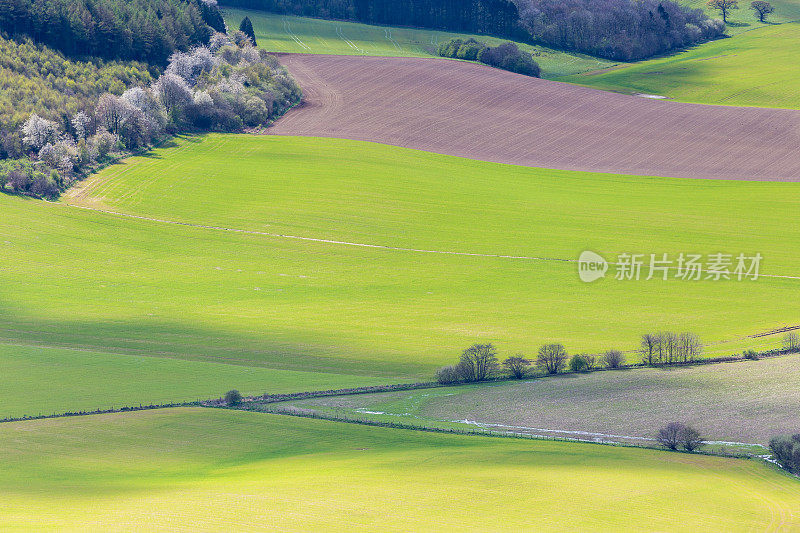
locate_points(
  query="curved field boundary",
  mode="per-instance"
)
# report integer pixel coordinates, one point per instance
(469, 110)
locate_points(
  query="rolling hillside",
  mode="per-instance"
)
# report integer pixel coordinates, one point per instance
(214, 469)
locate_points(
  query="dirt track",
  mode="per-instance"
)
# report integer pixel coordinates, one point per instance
(478, 112)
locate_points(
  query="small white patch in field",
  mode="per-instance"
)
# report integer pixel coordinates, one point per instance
(652, 96)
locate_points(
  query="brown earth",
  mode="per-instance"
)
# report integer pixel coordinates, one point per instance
(470, 110)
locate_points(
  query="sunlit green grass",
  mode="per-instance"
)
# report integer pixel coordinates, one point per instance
(280, 33)
(215, 470)
(754, 68)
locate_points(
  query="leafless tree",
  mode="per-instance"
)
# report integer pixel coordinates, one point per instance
(761, 9)
(791, 342)
(670, 435)
(552, 358)
(690, 439)
(517, 366)
(591, 361)
(724, 7)
(688, 347)
(613, 359)
(478, 362)
(649, 348)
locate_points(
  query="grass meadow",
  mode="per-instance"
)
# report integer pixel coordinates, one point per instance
(75, 279)
(758, 67)
(217, 469)
(303, 35)
(745, 402)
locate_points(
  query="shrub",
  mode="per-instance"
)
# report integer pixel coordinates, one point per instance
(233, 397)
(552, 358)
(613, 359)
(517, 366)
(578, 363)
(447, 375)
(786, 450)
(751, 355)
(675, 435)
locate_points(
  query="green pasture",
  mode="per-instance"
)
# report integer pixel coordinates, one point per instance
(281, 33)
(79, 279)
(745, 402)
(754, 68)
(212, 470)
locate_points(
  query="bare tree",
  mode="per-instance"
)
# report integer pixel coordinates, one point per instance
(690, 439)
(724, 7)
(478, 362)
(761, 9)
(670, 435)
(791, 342)
(552, 358)
(591, 361)
(688, 347)
(648, 348)
(517, 366)
(613, 359)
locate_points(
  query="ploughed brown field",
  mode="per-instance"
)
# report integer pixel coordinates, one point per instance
(470, 110)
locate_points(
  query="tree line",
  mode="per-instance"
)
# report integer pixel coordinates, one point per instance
(506, 56)
(228, 85)
(622, 30)
(143, 30)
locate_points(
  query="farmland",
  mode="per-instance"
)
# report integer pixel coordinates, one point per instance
(211, 469)
(743, 402)
(483, 113)
(280, 33)
(754, 68)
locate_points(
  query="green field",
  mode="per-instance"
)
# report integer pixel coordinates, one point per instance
(753, 68)
(209, 470)
(280, 33)
(744, 402)
(79, 279)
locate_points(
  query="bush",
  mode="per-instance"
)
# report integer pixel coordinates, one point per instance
(233, 397)
(613, 359)
(675, 435)
(786, 450)
(578, 363)
(752, 355)
(507, 56)
(517, 366)
(447, 375)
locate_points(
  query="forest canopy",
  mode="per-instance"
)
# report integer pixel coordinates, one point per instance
(143, 30)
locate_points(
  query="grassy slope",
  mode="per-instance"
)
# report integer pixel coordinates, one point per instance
(40, 380)
(747, 402)
(213, 470)
(111, 284)
(753, 68)
(278, 33)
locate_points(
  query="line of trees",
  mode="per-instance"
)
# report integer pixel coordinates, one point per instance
(480, 362)
(227, 86)
(145, 30)
(669, 348)
(506, 56)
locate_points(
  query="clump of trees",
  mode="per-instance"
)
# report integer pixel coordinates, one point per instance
(676, 435)
(622, 30)
(506, 56)
(786, 450)
(233, 397)
(791, 342)
(227, 86)
(144, 30)
(669, 348)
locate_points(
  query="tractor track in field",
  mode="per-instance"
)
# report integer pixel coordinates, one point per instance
(473, 111)
(367, 245)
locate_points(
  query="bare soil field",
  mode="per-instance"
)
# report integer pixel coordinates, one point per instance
(470, 110)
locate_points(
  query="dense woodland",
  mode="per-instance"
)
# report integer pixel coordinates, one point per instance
(621, 30)
(144, 30)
